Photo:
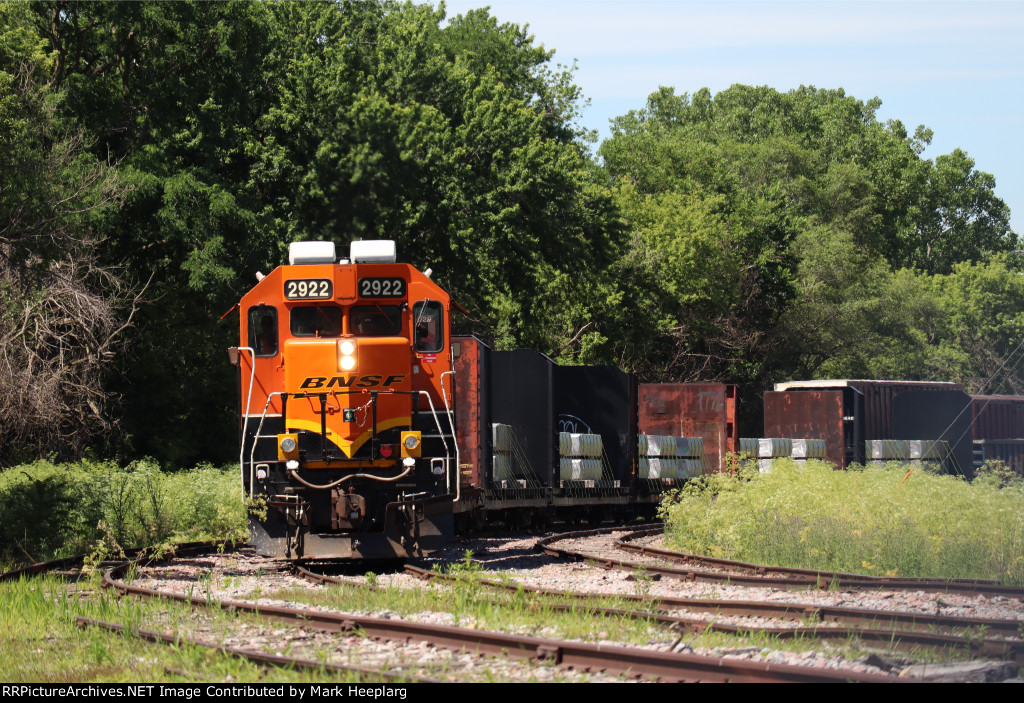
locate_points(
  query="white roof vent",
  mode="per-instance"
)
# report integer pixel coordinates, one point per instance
(303, 253)
(373, 251)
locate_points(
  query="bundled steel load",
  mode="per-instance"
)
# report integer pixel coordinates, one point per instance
(665, 456)
(907, 450)
(768, 448)
(577, 444)
(810, 449)
(888, 449)
(579, 456)
(501, 444)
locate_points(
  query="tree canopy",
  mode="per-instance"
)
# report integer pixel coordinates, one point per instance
(775, 235)
(157, 155)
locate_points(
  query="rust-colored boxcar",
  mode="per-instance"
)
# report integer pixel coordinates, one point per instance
(706, 410)
(844, 412)
(472, 405)
(998, 416)
(811, 414)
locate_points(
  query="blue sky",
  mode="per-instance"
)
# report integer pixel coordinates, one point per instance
(956, 67)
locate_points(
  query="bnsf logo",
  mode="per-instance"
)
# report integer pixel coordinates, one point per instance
(350, 381)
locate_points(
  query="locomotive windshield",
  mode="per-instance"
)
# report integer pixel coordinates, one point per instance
(375, 320)
(316, 320)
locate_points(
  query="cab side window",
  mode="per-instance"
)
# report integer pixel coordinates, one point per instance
(428, 326)
(263, 329)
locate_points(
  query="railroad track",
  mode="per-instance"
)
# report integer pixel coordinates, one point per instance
(822, 579)
(922, 631)
(979, 636)
(580, 656)
(725, 571)
(262, 658)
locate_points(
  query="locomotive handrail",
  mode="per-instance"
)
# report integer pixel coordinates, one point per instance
(255, 438)
(245, 425)
(294, 474)
(440, 432)
(455, 436)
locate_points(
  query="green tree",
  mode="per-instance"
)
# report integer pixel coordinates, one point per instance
(817, 207)
(240, 127)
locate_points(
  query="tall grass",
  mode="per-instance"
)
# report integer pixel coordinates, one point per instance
(50, 511)
(877, 520)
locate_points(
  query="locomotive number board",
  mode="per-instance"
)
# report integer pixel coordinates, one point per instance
(308, 289)
(381, 287)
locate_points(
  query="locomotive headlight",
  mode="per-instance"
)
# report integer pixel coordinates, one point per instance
(288, 445)
(347, 355)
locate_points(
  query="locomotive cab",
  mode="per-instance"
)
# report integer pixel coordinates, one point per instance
(347, 433)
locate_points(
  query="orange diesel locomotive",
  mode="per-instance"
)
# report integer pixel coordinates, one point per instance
(348, 446)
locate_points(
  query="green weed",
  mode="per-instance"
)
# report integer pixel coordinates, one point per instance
(53, 511)
(876, 520)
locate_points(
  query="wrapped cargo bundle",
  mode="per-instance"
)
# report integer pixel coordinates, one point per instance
(929, 449)
(501, 444)
(668, 457)
(749, 446)
(502, 465)
(657, 445)
(655, 467)
(572, 444)
(809, 449)
(690, 447)
(668, 446)
(571, 469)
(501, 438)
(888, 449)
(691, 468)
(770, 447)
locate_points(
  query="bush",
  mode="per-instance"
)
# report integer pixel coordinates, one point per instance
(51, 511)
(880, 521)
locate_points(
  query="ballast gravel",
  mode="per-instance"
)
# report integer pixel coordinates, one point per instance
(513, 558)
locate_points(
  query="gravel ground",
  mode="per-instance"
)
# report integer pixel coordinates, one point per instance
(243, 575)
(247, 576)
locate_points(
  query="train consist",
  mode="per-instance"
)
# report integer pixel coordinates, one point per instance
(369, 431)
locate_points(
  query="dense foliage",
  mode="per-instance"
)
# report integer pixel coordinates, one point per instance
(59, 510)
(880, 520)
(777, 235)
(157, 155)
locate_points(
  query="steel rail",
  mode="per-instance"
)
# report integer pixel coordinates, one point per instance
(262, 658)
(134, 553)
(582, 656)
(623, 543)
(897, 639)
(780, 581)
(800, 612)
(835, 579)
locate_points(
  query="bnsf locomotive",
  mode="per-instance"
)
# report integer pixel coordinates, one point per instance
(348, 442)
(368, 431)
